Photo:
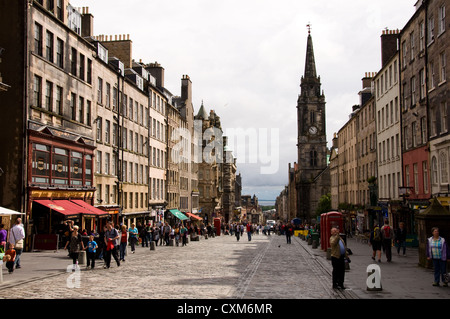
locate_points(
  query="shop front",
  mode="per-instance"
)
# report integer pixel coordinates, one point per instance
(60, 172)
(50, 217)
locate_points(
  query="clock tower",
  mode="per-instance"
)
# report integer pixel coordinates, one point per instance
(312, 178)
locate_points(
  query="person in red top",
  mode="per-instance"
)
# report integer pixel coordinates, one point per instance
(10, 257)
(249, 231)
(123, 242)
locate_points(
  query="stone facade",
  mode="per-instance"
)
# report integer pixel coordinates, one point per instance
(438, 96)
(414, 41)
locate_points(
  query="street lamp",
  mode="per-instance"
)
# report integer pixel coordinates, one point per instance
(404, 191)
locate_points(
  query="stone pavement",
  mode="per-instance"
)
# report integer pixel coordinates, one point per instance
(402, 278)
(220, 268)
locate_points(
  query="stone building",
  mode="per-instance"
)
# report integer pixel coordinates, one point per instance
(188, 168)
(386, 91)
(348, 161)
(228, 182)
(88, 127)
(438, 95)
(210, 171)
(49, 132)
(312, 176)
(334, 173)
(414, 41)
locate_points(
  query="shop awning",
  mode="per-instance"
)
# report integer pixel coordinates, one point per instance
(90, 208)
(178, 214)
(193, 216)
(6, 211)
(61, 206)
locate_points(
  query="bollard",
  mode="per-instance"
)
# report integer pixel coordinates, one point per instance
(329, 253)
(206, 236)
(309, 240)
(170, 242)
(82, 258)
(314, 244)
(152, 245)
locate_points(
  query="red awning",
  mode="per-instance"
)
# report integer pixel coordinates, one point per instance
(60, 206)
(67, 204)
(90, 208)
(193, 216)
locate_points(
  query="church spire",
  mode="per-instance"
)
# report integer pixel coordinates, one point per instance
(310, 64)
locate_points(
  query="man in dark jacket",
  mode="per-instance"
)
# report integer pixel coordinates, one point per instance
(400, 238)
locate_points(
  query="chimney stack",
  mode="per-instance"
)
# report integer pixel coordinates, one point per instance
(389, 45)
(186, 88)
(87, 23)
(157, 71)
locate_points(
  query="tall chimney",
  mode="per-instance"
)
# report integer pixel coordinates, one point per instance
(186, 88)
(388, 46)
(157, 71)
(87, 23)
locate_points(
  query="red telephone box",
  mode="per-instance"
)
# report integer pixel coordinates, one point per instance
(217, 226)
(323, 218)
(330, 220)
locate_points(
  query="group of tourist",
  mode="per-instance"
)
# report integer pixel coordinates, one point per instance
(11, 244)
(437, 251)
(113, 241)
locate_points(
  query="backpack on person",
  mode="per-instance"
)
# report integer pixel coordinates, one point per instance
(387, 232)
(376, 234)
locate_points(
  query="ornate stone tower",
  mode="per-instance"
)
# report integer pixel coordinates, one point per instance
(313, 179)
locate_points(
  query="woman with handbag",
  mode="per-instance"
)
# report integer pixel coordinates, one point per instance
(74, 243)
(16, 237)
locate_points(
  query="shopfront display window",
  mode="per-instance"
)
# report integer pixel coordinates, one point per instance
(40, 164)
(58, 166)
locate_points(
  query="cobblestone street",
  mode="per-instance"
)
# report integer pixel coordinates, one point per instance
(220, 267)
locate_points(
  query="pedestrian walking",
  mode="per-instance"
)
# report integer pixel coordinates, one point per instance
(386, 234)
(123, 243)
(74, 243)
(156, 235)
(143, 235)
(101, 243)
(375, 241)
(437, 252)
(400, 238)
(184, 232)
(166, 231)
(111, 236)
(249, 231)
(3, 237)
(10, 257)
(338, 256)
(133, 232)
(16, 237)
(90, 252)
(177, 235)
(238, 232)
(288, 231)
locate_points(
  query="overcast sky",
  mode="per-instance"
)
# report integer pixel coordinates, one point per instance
(246, 57)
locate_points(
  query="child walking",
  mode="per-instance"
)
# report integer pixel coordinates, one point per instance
(91, 251)
(10, 257)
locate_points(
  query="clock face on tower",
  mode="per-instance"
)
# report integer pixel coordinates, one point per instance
(313, 130)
